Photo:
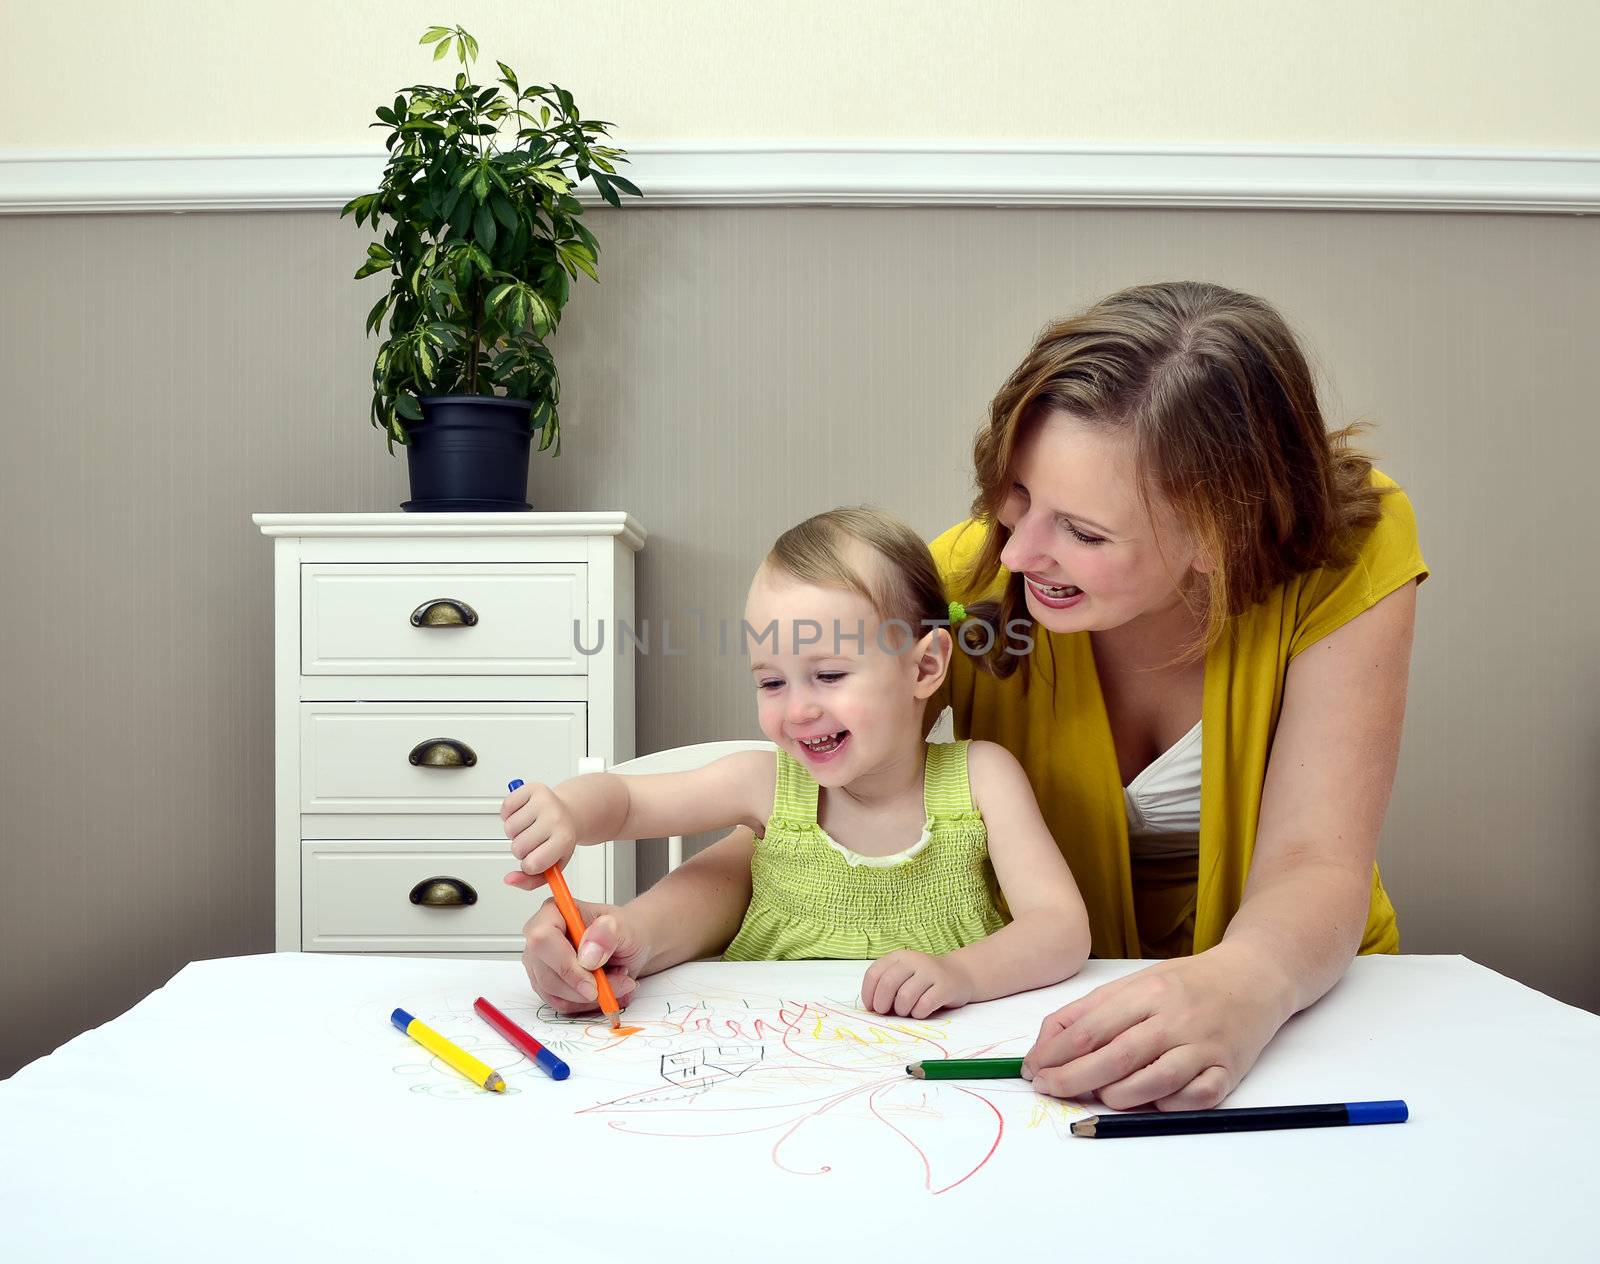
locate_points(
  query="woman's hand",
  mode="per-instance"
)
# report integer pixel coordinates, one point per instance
(1181, 1034)
(562, 975)
(914, 985)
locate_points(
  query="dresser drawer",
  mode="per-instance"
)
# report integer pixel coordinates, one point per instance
(395, 757)
(505, 619)
(357, 896)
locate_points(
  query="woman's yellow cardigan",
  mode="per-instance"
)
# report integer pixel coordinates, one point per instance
(1063, 739)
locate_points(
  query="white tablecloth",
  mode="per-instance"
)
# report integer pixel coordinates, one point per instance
(262, 1108)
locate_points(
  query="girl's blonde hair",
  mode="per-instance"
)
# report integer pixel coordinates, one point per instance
(904, 584)
(1218, 401)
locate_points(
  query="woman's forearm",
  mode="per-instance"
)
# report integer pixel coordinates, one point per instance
(1300, 925)
(1041, 947)
(696, 910)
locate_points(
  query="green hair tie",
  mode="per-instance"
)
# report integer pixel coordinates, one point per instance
(958, 612)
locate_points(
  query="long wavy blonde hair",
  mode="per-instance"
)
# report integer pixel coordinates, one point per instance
(1222, 411)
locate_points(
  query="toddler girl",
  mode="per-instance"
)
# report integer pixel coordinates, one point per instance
(869, 843)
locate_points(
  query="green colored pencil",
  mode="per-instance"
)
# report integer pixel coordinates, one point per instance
(966, 1069)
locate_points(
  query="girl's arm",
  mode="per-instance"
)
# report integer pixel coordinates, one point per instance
(1183, 1033)
(1047, 939)
(545, 824)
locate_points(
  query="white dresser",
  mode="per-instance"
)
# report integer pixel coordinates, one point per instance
(422, 661)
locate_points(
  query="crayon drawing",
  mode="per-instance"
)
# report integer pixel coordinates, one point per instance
(814, 1082)
(805, 1076)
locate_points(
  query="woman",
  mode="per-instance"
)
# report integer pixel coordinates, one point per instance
(1220, 597)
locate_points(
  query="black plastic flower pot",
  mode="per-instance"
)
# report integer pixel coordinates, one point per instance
(469, 452)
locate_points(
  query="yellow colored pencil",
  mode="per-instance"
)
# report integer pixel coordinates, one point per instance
(480, 1073)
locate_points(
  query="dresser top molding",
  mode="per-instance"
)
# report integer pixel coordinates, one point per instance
(435, 525)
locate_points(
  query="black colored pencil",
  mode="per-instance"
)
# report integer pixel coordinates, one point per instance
(1168, 1123)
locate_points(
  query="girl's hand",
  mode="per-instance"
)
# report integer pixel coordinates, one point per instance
(542, 831)
(914, 985)
(561, 974)
(1181, 1034)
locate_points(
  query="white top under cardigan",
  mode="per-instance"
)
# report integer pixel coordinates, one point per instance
(1163, 803)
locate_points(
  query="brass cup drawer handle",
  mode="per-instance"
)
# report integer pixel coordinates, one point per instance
(444, 612)
(443, 892)
(443, 752)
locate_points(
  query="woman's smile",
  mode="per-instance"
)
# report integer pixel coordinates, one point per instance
(1055, 596)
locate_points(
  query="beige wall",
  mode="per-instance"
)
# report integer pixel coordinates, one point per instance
(738, 369)
(173, 73)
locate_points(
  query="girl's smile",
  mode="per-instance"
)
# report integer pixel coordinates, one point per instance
(824, 749)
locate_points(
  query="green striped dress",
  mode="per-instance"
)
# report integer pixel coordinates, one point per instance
(811, 897)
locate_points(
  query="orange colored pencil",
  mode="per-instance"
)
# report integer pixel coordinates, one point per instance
(575, 930)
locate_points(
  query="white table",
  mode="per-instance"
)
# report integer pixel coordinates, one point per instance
(261, 1108)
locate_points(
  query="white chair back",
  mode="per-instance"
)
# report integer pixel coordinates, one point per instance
(676, 759)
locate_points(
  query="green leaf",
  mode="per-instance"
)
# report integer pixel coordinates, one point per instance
(503, 211)
(406, 405)
(603, 183)
(440, 53)
(483, 226)
(435, 33)
(577, 256)
(375, 316)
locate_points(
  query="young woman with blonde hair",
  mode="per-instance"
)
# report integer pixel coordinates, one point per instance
(1222, 593)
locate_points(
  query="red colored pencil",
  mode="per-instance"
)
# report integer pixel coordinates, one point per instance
(554, 1067)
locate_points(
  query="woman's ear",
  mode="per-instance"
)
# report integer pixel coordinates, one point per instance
(1204, 559)
(931, 659)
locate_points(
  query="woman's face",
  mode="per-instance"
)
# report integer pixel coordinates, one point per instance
(1090, 556)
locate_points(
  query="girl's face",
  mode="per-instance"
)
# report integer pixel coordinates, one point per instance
(1090, 555)
(827, 691)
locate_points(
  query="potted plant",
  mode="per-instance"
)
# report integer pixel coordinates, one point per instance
(481, 238)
